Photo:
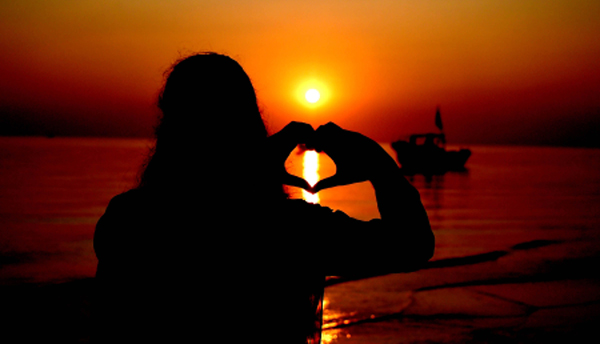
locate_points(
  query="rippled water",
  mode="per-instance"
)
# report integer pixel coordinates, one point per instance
(54, 190)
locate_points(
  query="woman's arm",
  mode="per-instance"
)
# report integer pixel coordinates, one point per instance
(403, 235)
(400, 207)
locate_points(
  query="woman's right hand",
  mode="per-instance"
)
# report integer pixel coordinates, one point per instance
(282, 143)
(357, 158)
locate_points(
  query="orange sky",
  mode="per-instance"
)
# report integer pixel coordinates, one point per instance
(502, 71)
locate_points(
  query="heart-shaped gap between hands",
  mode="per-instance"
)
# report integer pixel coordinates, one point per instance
(308, 166)
(355, 156)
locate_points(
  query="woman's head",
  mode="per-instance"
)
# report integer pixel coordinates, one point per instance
(208, 94)
(210, 130)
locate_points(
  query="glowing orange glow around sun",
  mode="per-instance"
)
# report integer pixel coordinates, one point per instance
(310, 173)
(313, 93)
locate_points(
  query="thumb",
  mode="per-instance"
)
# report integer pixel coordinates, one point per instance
(335, 180)
(292, 180)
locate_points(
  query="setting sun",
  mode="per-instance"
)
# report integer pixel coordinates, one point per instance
(313, 93)
(312, 96)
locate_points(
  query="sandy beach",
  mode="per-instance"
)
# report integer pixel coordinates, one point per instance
(532, 293)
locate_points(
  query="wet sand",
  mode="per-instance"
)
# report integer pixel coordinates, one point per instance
(535, 292)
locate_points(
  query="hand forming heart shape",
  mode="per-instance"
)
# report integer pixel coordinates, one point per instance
(280, 145)
(357, 158)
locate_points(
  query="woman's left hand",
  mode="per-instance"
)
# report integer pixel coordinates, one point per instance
(357, 158)
(282, 143)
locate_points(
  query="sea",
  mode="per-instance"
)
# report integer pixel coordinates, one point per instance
(53, 191)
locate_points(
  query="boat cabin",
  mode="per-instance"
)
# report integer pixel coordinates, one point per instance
(428, 140)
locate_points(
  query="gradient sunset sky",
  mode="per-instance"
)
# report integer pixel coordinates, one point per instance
(507, 72)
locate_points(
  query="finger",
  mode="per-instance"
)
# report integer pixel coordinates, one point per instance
(292, 131)
(298, 132)
(311, 144)
(326, 131)
(329, 126)
(296, 181)
(326, 137)
(282, 143)
(296, 123)
(333, 181)
(303, 134)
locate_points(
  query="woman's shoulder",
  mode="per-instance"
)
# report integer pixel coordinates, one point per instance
(132, 203)
(126, 198)
(117, 218)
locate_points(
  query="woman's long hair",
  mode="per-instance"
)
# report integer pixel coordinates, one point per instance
(209, 147)
(211, 133)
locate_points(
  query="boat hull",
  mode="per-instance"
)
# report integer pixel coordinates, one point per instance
(429, 159)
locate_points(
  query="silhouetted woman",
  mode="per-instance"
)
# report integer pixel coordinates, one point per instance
(209, 244)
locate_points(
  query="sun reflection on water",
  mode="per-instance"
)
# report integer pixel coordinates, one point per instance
(331, 318)
(310, 173)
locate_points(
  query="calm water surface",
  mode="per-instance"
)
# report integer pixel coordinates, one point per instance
(52, 192)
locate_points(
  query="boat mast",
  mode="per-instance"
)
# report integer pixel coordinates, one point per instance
(438, 120)
(438, 123)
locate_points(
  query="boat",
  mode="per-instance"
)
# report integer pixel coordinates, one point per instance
(427, 154)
